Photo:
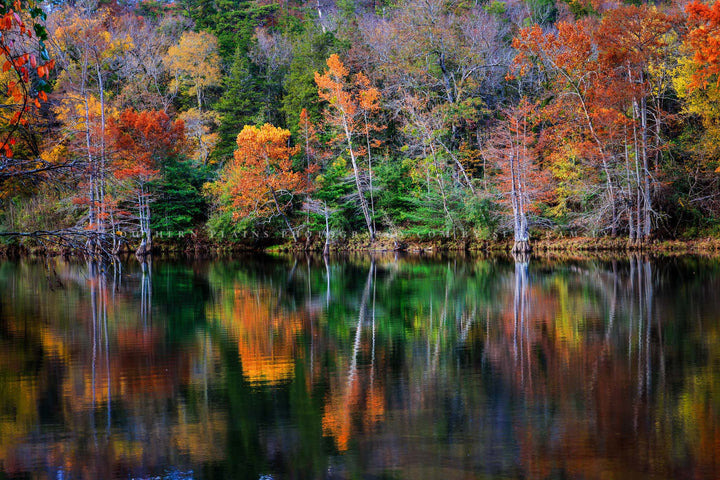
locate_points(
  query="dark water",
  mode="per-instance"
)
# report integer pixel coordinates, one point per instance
(277, 368)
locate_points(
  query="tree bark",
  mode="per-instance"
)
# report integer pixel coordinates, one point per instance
(282, 214)
(356, 172)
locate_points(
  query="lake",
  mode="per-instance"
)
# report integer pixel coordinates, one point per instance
(270, 367)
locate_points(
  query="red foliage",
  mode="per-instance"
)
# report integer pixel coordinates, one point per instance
(142, 140)
(704, 38)
(16, 38)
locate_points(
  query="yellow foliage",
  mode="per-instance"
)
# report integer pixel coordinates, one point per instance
(71, 111)
(702, 102)
(339, 163)
(56, 154)
(195, 63)
(198, 128)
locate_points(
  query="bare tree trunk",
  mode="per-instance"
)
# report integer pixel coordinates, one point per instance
(148, 233)
(517, 193)
(441, 184)
(282, 214)
(92, 217)
(446, 78)
(647, 207)
(307, 169)
(101, 179)
(326, 247)
(631, 222)
(459, 166)
(115, 243)
(638, 183)
(358, 185)
(145, 247)
(370, 171)
(603, 154)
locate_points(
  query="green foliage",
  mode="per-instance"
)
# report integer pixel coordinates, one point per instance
(347, 8)
(269, 75)
(151, 9)
(480, 214)
(45, 210)
(237, 106)
(178, 203)
(231, 21)
(426, 218)
(496, 8)
(222, 226)
(441, 85)
(579, 8)
(543, 12)
(334, 188)
(311, 48)
(394, 183)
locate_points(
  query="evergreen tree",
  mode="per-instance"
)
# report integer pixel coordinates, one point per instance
(231, 21)
(178, 202)
(311, 48)
(238, 106)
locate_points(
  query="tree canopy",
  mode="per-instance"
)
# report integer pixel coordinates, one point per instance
(435, 119)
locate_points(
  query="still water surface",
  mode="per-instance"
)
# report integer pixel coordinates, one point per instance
(267, 367)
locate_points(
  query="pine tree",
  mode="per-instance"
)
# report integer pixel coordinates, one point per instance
(231, 21)
(310, 51)
(237, 106)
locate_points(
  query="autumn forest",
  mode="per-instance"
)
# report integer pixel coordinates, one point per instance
(317, 122)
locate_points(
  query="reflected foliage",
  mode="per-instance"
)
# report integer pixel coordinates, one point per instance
(305, 367)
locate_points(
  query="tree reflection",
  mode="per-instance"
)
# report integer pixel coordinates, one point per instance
(361, 398)
(106, 379)
(146, 291)
(366, 366)
(521, 328)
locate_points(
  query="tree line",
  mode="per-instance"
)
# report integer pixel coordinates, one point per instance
(321, 120)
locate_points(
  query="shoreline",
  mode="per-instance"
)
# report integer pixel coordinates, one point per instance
(201, 246)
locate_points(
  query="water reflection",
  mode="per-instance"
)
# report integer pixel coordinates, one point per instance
(367, 366)
(360, 397)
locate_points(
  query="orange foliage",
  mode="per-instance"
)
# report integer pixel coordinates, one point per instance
(358, 404)
(351, 105)
(261, 173)
(309, 135)
(512, 151)
(266, 338)
(704, 38)
(347, 100)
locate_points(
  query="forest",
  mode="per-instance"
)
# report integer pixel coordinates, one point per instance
(322, 122)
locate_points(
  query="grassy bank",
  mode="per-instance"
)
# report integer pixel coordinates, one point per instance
(199, 244)
(547, 245)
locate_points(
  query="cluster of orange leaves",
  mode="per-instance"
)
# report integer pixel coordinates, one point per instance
(704, 38)
(24, 65)
(261, 170)
(349, 99)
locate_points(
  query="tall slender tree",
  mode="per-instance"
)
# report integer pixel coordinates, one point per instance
(347, 104)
